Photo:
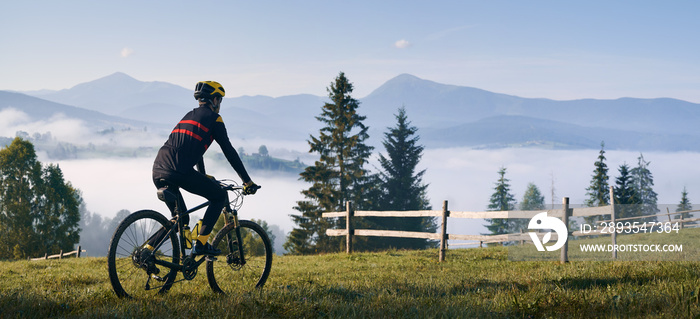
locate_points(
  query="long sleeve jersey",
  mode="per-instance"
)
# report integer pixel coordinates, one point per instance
(191, 138)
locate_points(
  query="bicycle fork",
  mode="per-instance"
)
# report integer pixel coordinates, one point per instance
(232, 218)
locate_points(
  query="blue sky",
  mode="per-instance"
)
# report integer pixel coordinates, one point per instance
(553, 49)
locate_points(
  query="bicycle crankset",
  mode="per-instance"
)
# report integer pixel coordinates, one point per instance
(189, 268)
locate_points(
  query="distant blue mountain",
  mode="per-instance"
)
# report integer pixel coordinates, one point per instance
(519, 131)
(118, 92)
(462, 116)
(430, 104)
(446, 115)
(39, 109)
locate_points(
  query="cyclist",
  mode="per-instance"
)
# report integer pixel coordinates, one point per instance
(185, 147)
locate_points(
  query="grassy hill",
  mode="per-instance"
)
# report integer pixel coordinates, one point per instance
(397, 284)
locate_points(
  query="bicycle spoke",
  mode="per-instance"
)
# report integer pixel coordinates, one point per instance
(228, 274)
(134, 270)
(132, 267)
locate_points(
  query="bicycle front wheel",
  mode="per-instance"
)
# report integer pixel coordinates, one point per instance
(235, 271)
(132, 267)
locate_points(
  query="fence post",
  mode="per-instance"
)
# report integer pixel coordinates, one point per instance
(443, 231)
(60, 255)
(349, 213)
(565, 218)
(612, 219)
(78, 255)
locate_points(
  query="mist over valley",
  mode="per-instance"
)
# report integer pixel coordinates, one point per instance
(104, 135)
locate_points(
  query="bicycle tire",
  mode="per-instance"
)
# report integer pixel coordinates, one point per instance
(226, 274)
(127, 272)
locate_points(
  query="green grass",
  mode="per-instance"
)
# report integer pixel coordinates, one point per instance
(688, 238)
(396, 284)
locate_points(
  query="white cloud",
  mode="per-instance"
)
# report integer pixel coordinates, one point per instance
(60, 126)
(9, 118)
(126, 52)
(402, 44)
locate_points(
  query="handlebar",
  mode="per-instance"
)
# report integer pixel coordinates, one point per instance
(236, 197)
(231, 185)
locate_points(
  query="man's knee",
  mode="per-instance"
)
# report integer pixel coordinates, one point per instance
(217, 197)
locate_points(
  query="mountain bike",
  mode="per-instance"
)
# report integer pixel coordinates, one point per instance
(137, 270)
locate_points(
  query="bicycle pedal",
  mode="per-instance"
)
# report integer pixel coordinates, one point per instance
(211, 258)
(161, 279)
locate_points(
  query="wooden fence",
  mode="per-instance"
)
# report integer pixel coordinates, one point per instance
(349, 214)
(62, 254)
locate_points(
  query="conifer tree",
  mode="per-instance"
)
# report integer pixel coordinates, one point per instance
(339, 174)
(684, 205)
(643, 182)
(402, 186)
(627, 200)
(501, 200)
(598, 191)
(532, 200)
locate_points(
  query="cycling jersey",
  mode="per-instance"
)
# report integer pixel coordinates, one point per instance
(185, 147)
(188, 141)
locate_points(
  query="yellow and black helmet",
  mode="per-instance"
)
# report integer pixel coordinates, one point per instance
(208, 90)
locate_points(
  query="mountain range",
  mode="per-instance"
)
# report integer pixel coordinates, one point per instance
(446, 115)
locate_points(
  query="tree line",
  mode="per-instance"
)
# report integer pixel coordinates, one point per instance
(42, 213)
(633, 195)
(39, 210)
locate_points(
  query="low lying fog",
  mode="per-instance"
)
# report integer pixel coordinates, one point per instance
(465, 177)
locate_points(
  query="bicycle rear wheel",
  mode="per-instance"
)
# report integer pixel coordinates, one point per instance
(228, 274)
(132, 269)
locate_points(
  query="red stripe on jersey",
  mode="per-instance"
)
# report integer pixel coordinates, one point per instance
(195, 123)
(190, 133)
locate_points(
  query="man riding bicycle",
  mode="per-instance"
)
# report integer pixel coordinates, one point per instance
(185, 147)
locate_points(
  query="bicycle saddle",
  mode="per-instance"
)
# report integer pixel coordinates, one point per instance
(166, 195)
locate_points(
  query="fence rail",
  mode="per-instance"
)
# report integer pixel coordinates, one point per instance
(62, 254)
(443, 236)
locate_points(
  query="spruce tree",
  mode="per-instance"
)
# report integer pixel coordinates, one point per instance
(684, 205)
(598, 191)
(532, 200)
(627, 200)
(643, 182)
(403, 187)
(337, 177)
(501, 200)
